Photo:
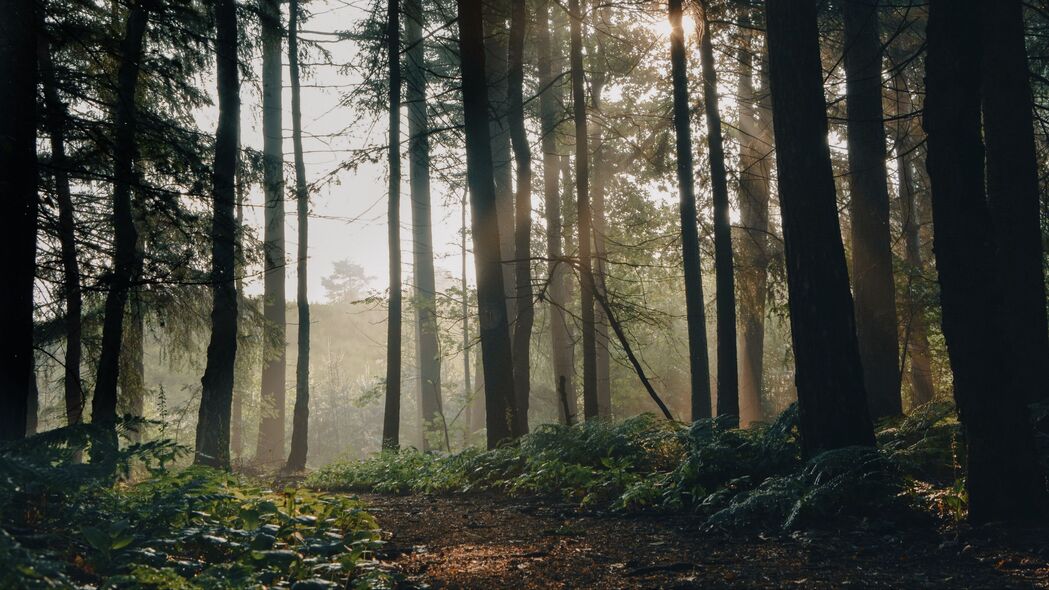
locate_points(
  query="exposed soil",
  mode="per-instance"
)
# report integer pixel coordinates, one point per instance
(488, 541)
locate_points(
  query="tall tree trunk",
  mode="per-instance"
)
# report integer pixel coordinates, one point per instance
(1013, 195)
(522, 336)
(300, 424)
(728, 379)
(600, 165)
(829, 376)
(1004, 480)
(270, 448)
(55, 116)
(213, 422)
(125, 235)
(755, 178)
(239, 391)
(549, 114)
(132, 380)
(582, 183)
(491, 294)
(428, 348)
(698, 361)
(391, 425)
(869, 210)
(474, 412)
(916, 329)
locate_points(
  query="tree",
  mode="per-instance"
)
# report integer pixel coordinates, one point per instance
(491, 302)
(557, 280)
(699, 365)
(428, 352)
(831, 398)
(216, 398)
(300, 427)
(522, 337)
(728, 380)
(391, 424)
(599, 168)
(18, 186)
(869, 210)
(270, 448)
(125, 235)
(755, 180)
(582, 183)
(1003, 480)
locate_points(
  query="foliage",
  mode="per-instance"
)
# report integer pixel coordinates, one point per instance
(735, 477)
(65, 526)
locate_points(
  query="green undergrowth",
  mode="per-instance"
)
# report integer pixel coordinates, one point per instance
(65, 524)
(734, 477)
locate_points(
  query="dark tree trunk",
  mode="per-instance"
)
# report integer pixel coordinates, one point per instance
(125, 235)
(300, 423)
(550, 116)
(1004, 480)
(270, 448)
(428, 351)
(869, 210)
(55, 116)
(216, 398)
(755, 177)
(915, 328)
(391, 425)
(132, 381)
(239, 391)
(829, 376)
(728, 379)
(582, 183)
(491, 300)
(522, 338)
(598, 77)
(698, 361)
(1013, 195)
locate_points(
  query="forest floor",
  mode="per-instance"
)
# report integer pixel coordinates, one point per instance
(490, 541)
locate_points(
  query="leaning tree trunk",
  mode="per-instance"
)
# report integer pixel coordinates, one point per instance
(699, 364)
(549, 114)
(831, 398)
(270, 448)
(916, 328)
(582, 183)
(1013, 194)
(728, 379)
(55, 116)
(125, 236)
(491, 300)
(300, 423)
(869, 210)
(522, 334)
(755, 171)
(216, 398)
(1004, 480)
(427, 347)
(391, 424)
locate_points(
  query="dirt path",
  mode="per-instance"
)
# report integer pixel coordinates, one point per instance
(493, 542)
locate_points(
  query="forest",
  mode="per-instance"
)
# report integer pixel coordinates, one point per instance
(318, 294)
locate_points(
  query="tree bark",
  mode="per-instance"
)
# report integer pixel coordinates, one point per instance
(270, 448)
(698, 361)
(755, 177)
(132, 380)
(869, 210)
(600, 170)
(829, 376)
(728, 379)
(391, 425)
(582, 183)
(1013, 195)
(213, 422)
(549, 113)
(55, 116)
(522, 335)
(125, 235)
(491, 294)
(300, 424)
(427, 347)
(1004, 480)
